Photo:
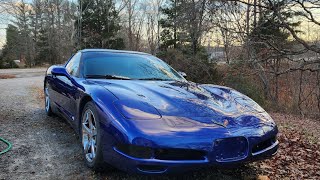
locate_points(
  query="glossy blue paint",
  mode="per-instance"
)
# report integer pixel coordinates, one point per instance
(227, 126)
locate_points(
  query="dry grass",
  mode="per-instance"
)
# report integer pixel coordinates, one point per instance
(38, 92)
(7, 76)
(298, 156)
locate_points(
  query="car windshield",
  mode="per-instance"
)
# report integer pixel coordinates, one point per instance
(127, 66)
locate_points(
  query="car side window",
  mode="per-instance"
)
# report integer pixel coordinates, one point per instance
(73, 65)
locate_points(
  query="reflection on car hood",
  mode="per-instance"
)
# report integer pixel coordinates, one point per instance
(202, 103)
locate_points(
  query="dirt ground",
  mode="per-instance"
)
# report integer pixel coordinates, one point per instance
(47, 148)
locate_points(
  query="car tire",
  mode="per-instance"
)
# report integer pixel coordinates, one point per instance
(91, 143)
(47, 102)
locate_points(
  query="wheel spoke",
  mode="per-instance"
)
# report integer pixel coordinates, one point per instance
(88, 156)
(93, 151)
(46, 91)
(94, 132)
(87, 117)
(86, 129)
(47, 100)
(86, 145)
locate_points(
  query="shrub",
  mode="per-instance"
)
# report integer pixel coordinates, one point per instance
(197, 67)
(199, 70)
(246, 86)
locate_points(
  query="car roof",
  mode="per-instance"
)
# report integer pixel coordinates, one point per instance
(113, 51)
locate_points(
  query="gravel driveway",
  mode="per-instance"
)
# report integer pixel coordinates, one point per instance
(43, 147)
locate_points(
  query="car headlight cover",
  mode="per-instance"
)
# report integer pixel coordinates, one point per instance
(133, 109)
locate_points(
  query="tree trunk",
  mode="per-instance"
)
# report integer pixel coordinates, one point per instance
(175, 26)
(248, 18)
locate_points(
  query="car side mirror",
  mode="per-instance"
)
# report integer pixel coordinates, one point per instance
(183, 74)
(59, 70)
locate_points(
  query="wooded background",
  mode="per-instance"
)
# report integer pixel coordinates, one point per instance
(269, 49)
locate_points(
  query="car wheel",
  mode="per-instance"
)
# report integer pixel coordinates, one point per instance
(47, 102)
(91, 138)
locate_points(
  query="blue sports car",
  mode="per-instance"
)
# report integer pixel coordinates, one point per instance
(136, 113)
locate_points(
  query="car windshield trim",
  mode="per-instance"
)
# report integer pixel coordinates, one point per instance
(97, 76)
(155, 79)
(107, 76)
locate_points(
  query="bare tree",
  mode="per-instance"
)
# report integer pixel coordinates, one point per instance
(272, 59)
(151, 10)
(133, 21)
(194, 20)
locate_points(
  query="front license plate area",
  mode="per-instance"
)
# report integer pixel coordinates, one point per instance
(230, 149)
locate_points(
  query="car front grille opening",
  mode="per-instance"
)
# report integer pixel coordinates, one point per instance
(161, 153)
(135, 151)
(179, 154)
(152, 168)
(263, 145)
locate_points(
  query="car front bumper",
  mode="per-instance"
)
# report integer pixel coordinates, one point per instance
(257, 149)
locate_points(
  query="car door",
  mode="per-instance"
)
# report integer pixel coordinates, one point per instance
(68, 87)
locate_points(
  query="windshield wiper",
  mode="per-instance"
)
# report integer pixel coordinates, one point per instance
(107, 76)
(155, 79)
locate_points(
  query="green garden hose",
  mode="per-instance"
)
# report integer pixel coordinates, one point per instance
(8, 148)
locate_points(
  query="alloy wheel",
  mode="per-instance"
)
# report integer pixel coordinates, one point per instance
(47, 99)
(89, 135)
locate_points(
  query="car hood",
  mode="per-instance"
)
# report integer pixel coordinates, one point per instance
(201, 102)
